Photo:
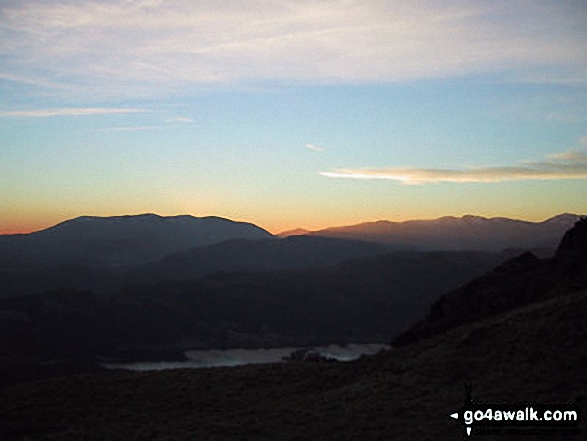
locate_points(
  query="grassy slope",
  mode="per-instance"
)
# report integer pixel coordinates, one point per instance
(535, 353)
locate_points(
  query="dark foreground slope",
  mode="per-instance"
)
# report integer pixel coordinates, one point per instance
(536, 353)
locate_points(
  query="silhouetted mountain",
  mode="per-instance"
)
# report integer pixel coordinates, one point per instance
(260, 255)
(465, 233)
(104, 254)
(520, 281)
(120, 240)
(294, 232)
(232, 255)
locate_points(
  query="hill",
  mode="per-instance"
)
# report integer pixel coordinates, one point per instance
(294, 232)
(464, 233)
(228, 256)
(296, 252)
(120, 240)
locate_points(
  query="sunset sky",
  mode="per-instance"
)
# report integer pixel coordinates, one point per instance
(292, 113)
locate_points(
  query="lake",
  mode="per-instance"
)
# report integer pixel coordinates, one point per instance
(234, 357)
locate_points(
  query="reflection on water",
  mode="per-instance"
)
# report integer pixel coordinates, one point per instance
(235, 357)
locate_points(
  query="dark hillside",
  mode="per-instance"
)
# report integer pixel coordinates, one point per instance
(231, 255)
(531, 354)
(517, 282)
(366, 300)
(259, 255)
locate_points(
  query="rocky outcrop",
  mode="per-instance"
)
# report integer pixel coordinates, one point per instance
(573, 246)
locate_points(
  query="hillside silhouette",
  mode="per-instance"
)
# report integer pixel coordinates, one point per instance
(256, 255)
(464, 233)
(228, 256)
(120, 241)
(104, 255)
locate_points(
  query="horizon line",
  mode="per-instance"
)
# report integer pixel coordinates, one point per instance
(281, 231)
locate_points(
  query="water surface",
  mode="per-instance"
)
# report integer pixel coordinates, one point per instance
(234, 357)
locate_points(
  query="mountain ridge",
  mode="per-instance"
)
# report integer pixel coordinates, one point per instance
(459, 233)
(562, 217)
(117, 241)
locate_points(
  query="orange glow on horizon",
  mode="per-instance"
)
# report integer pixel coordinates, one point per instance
(26, 226)
(12, 232)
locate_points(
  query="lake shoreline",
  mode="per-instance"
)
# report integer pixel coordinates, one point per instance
(21, 370)
(222, 357)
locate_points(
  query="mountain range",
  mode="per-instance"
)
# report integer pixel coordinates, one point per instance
(124, 241)
(454, 233)
(251, 290)
(517, 334)
(106, 254)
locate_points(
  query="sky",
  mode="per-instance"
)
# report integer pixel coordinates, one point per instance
(294, 113)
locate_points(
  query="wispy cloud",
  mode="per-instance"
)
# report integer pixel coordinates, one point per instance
(566, 165)
(35, 81)
(152, 46)
(69, 111)
(140, 128)
(179, 119)
(131, 128)
(314, 147)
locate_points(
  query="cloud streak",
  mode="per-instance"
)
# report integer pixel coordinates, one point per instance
(179, 119)
(152, 46)
(567, 165)
(68, 111)
(141, 128)
(132, 128)
(314, 148)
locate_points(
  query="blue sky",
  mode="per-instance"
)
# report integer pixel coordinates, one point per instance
(292, 113)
